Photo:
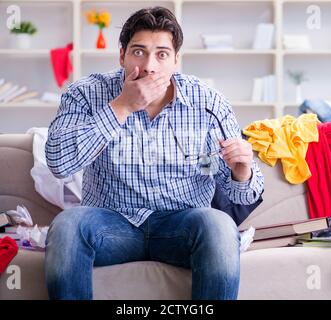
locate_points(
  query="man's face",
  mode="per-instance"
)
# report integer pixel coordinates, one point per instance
(152, 52)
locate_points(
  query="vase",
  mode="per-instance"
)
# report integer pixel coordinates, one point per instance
(101, 43)
(23, 41)
(298, 96)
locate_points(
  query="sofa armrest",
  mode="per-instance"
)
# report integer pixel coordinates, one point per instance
(16, 183)
(282, 201)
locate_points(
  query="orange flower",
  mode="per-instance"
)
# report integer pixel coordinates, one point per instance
(105, 18)
(91, 17)
(102, 19)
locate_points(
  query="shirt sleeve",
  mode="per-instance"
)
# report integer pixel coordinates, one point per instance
(247, 192)
(76, 136)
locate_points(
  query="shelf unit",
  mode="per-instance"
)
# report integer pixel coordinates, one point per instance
(60, 22)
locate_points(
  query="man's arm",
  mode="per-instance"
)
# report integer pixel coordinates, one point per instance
(76, 137)
(237, 173)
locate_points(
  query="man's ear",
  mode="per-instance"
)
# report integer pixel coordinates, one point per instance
(122, 54)
(177, 60)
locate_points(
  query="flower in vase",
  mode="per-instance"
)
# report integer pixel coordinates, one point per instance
(102, 19)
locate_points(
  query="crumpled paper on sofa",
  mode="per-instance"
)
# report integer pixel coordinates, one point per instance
(21, 216)
(246, 238)
(33, 237)
(29, 237)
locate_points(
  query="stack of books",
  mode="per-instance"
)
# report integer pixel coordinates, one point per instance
(217, 41)
(264, 36)
(264, 89)
(315, 242)
(297, 42)
(12, 93)
(287, 234)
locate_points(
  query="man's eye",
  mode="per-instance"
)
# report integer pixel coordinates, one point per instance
(163, 55)
(138, 53)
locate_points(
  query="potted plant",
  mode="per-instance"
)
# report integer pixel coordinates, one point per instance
(23, 32)
(102, 20)
(297, 78)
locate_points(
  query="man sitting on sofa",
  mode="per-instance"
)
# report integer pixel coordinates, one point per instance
(153, 144)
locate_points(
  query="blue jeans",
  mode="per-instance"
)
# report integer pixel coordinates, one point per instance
(205, 240)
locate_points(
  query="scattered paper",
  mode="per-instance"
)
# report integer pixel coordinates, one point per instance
(246, 239)
(33, 237)
(21, 216)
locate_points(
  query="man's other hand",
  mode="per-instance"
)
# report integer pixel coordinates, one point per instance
(238, 155)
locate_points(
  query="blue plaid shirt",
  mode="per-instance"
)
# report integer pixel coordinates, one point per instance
(139, 167)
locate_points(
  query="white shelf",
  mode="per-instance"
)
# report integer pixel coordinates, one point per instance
(307, 52)
(99, 52)
(227, 1)
(25, 53)
(252, 104)
(40, 1)
(60, 22)
(226, 52)
(291, 104)
(121, 1)
(304, 1)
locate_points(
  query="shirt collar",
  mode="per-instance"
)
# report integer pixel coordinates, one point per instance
(180, 93)
(121, 75)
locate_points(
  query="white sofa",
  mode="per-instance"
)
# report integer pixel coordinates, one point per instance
(280, 273)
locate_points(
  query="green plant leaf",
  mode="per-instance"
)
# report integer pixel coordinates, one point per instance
(26, 27)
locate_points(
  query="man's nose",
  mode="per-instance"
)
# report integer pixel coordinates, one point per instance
(150, 65)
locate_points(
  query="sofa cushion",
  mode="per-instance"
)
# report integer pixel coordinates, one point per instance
(142, 280)
(31, 279)
(281, 273)
(286, 273)
(278, 273)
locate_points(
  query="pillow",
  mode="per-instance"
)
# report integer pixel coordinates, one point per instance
(238, 212)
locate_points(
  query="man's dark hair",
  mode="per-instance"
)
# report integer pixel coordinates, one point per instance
(153, 19)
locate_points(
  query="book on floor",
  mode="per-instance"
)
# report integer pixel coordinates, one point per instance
(291, 228)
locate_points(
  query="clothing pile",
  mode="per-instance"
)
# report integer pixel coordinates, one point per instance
(303, 145)
(8, 250)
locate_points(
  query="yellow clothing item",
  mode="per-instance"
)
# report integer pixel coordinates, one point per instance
(287, 139)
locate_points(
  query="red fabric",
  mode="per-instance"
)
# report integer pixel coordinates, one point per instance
(318, 158)
(8, 250)
(61, 63)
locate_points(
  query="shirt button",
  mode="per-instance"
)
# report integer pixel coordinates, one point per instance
(157, 193)
(153, 135)
(153, 155)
